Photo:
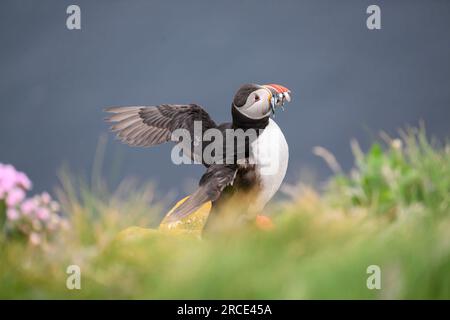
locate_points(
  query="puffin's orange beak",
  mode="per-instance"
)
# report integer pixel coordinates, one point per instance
(279, 94)
(278, 88)
(280, 91)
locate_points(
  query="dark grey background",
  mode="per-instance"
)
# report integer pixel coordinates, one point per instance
(346, 81)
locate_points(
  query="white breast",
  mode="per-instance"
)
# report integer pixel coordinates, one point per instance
(270, 153)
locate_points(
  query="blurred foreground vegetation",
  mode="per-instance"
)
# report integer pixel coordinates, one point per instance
(391, 210)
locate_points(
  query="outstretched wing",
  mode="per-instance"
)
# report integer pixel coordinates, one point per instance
(211, 185)
(147, 126)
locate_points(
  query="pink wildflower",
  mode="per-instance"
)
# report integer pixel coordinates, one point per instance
(7, 177)
(28, 206)
(23, 180)
(10, 178)
(43, 213)
(14, 197)
(12, 214)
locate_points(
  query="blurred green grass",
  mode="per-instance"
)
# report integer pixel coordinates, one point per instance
(392, 210)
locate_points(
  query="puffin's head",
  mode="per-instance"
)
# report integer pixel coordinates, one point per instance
(259, 101)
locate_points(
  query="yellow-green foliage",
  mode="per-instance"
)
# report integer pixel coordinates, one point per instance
(392, 211)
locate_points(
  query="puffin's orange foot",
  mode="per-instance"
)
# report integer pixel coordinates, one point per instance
(264, 222)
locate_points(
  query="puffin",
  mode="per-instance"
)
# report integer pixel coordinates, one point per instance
(253, 168)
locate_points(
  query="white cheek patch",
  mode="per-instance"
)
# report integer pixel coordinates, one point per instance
(259, 109)
(255, 111)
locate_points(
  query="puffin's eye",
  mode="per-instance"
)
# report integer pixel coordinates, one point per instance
(256, 97)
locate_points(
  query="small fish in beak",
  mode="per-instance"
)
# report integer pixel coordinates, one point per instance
(280, 94)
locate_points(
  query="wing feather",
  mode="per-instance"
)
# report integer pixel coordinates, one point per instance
(145, 126)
